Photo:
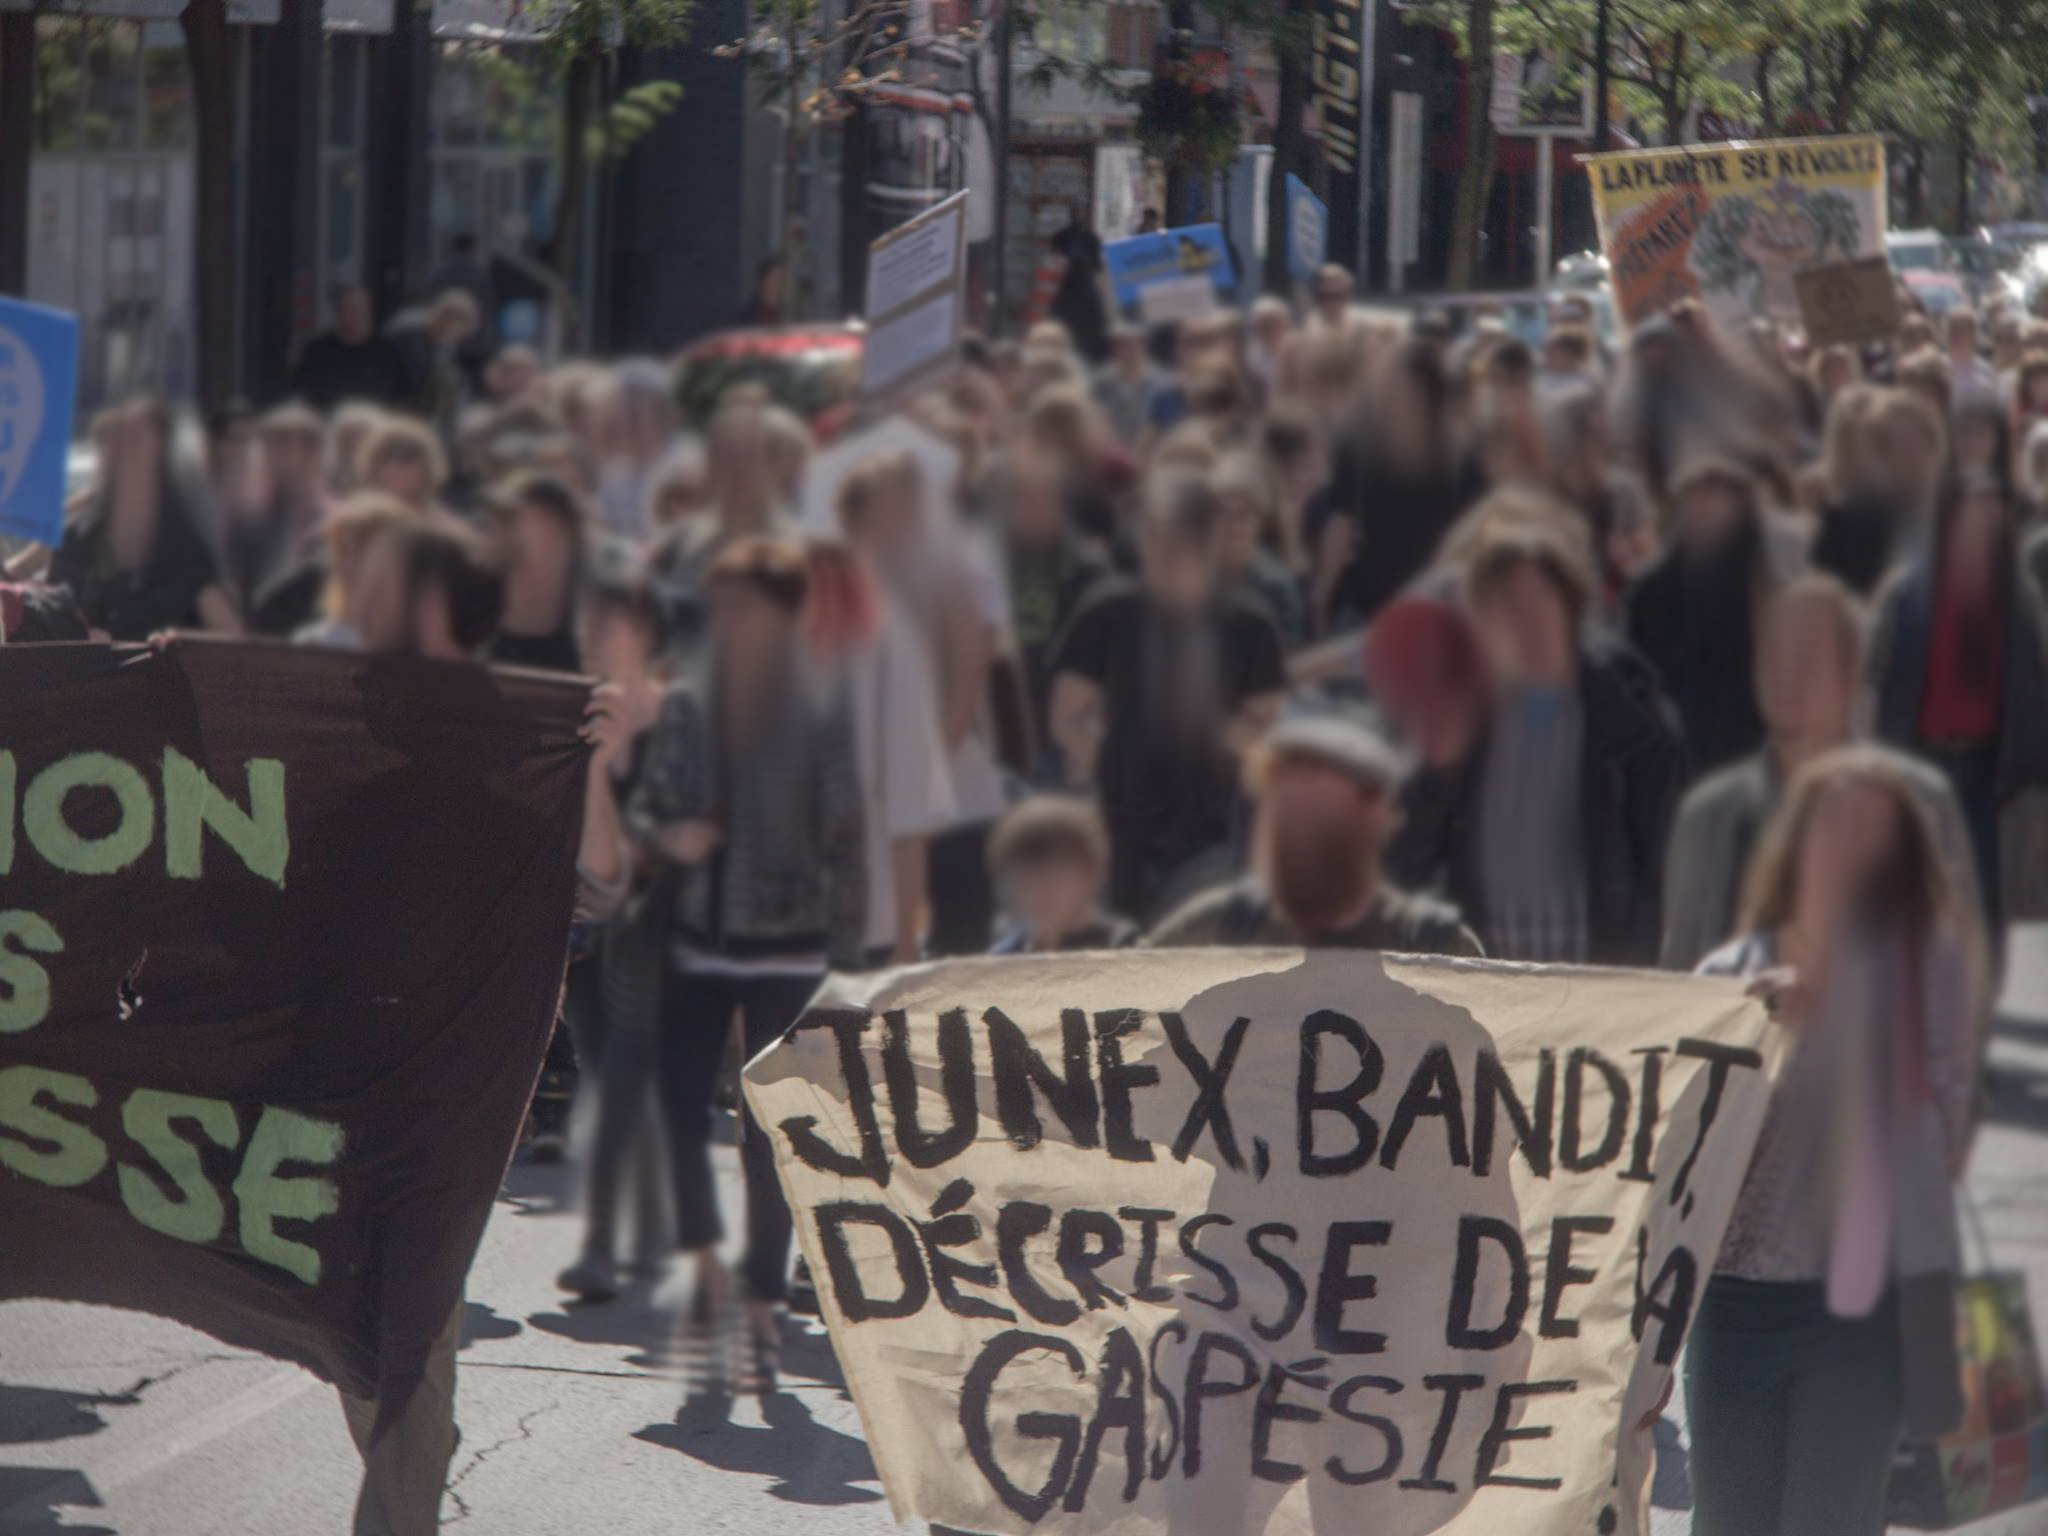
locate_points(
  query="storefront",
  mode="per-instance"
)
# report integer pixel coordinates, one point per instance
(110, 199)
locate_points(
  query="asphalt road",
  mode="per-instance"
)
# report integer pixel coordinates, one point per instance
(126, 1425)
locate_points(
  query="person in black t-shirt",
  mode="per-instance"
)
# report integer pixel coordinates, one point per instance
(141, 555)
(350, 361)
(1158, 685)
(541, 531)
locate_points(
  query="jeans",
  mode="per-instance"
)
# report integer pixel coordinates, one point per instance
(1972, 772)
(1794, 1412)
(696, 1016)
(614, 1016)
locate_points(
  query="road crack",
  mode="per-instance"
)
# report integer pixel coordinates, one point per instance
(522, 1430)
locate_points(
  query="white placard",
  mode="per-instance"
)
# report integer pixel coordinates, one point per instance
(1177, 298)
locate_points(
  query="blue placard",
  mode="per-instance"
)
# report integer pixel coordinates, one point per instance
(1308, 230)
(38, 392)
(1142, 260)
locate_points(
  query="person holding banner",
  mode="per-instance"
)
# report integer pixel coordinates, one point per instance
(1828, 1328)
(1326, 792)
(143, 553)
(433, 591)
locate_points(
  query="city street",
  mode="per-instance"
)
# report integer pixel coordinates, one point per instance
(124, 1425)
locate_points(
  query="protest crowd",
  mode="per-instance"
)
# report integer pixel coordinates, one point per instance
(1270, 628)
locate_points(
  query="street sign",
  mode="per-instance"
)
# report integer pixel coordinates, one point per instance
(1541, 92)
(38, 391)
(1308, 230)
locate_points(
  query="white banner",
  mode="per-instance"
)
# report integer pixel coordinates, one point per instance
(1227, 1243)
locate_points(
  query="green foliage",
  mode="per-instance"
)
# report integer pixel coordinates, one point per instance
(573, 29)
(631, 118)
(1187, 119)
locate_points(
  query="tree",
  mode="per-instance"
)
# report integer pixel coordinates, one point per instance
(815, 70)
(577, 36)
(1293, 45)
(1475, 180)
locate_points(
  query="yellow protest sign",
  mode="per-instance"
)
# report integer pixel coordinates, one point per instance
(1733, 225)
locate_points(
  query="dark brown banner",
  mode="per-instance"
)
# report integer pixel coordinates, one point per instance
(281, 939)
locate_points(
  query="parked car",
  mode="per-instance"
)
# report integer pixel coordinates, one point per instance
(1982, 265)
(1938, 292)
(1918, 250)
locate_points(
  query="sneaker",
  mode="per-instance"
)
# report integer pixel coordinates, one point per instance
(591, 1278)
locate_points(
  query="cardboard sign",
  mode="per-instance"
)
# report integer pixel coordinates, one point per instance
(917, 277)
(1849, 304)
(1231, 1243)
(38, 394)
(1733, 225)
(283, 937)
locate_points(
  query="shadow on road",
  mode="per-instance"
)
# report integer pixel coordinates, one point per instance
(481, 1323)
(29, 1415)
(1671, 1488)
(31, 1496)
(812, 1464)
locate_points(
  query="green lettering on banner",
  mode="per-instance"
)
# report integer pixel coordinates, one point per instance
(147, 1117)
(193, 802)
(42, 814)
(285, 1136)
(27, 1000)
(79, 1155)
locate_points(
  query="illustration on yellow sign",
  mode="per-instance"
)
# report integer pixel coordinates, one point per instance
(1732, 225)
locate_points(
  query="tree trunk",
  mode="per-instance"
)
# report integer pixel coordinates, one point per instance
(1965, 164)
(793, 282)
(1287, 147)
(566, 250)
(1180, 21)
(210, 56)
(1767, 101)
(853, 211)
(1475, 181)
(17, 136)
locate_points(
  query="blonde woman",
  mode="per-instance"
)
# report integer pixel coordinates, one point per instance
(1828, 1328)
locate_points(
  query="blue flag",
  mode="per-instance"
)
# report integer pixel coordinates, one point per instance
(38, 394)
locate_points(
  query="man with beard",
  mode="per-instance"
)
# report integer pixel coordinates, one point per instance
(1325, 789)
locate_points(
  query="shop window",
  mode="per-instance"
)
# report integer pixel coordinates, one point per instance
(341, 60)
